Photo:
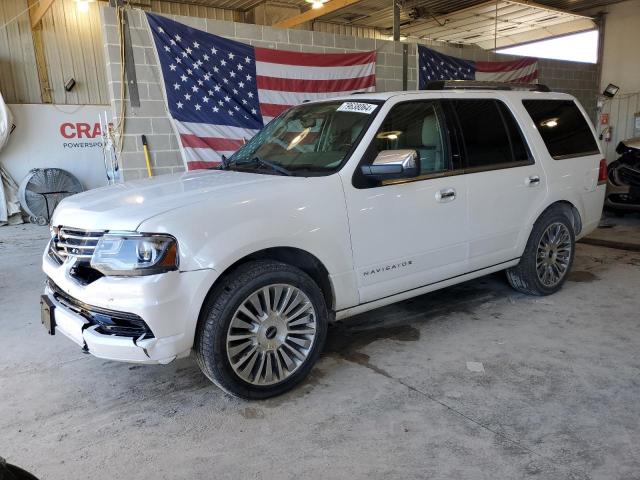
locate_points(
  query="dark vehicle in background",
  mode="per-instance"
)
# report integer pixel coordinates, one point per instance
(623, 185)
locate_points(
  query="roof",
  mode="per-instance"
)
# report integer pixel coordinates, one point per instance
(384, 96)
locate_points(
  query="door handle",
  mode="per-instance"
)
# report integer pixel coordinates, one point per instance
(533, 180)
(446, 195)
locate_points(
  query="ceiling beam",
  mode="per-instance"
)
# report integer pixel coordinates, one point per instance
(37, 13)
(38, 50)
(312, 14)
(396, 21)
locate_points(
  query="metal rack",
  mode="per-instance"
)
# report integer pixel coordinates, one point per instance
(479, 85)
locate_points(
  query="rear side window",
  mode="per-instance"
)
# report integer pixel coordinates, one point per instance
(563, 128)
(490, 134)
(518, 147)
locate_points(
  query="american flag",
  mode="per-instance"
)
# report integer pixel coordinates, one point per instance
(437, 66)
(220, 92)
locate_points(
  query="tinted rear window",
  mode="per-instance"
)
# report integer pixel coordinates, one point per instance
(563, 128)
(490, 133)
(520, 152)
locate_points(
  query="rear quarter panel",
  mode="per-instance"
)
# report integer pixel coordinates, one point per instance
(573, 180)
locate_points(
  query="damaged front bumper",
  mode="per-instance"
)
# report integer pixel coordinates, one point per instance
(77, 322)
(149, 319)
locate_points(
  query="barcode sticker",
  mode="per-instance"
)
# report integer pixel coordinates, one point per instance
(357, 107)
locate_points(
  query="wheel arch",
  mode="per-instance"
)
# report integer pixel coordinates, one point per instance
(570, 211)
(302, 259)
(566, 206)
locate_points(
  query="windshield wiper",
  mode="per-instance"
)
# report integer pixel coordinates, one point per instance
(265, 163)
(224, 164)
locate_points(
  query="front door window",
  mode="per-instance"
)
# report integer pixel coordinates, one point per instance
(416, 126)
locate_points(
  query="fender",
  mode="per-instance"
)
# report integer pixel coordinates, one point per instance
(309, 216)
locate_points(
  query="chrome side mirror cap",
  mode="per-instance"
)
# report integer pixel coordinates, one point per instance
(393, 164)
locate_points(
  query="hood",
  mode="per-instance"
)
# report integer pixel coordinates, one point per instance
(126, 206)
(628, 144)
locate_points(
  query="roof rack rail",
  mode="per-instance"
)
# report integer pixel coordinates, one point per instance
(479, 85)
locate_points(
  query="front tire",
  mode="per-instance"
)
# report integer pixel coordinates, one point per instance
(261, 330)
(548, 256)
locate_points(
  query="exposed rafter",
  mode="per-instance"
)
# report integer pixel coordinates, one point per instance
(312, 14)
(38, 12)
(35, 14)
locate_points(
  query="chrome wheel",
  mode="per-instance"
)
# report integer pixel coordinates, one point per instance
(554, 254)
(271, 334)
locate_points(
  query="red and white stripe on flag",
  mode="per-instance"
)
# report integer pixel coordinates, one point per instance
(284, 79)
(524, 70)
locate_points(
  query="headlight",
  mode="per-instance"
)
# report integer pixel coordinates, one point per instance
(135, 254)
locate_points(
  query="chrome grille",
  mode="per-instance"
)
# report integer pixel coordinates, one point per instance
(76, 243)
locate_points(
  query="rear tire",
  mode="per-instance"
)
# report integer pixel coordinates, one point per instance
(261, 330)
(548, 256)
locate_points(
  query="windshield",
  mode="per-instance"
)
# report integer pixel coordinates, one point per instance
(313, 138)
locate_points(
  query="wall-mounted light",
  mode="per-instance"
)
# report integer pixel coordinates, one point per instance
(70, 84)
(83, 5)
(611, 90)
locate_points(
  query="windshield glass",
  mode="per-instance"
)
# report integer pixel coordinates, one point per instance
(308, 138)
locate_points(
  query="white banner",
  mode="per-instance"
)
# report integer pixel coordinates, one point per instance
(60, 136)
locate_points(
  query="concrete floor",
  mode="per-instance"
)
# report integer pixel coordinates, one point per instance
(618, 232)
(393, 396)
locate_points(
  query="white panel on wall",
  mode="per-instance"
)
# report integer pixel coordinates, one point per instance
(56, 136)
(74, 49)
(18, 74)
(622, 110)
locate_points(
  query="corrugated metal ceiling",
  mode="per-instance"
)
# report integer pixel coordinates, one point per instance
(434, 6)
(416, 15)
(478, 24)
(378, 12)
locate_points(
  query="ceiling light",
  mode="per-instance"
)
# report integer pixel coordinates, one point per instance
(299, 138)
(392, 135)
(315, 4)
(550, 123)
(83, 5)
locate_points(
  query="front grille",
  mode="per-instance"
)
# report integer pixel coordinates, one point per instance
(625, 198)
(110, 322)
(76, 243)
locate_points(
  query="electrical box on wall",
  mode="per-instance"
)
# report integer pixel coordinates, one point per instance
(636, 124)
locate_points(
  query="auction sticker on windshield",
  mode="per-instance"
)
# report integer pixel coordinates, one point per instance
(357, 107)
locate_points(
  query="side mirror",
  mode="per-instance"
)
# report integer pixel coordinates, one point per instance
(393, 164)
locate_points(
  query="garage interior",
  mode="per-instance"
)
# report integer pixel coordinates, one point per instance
(472, 381)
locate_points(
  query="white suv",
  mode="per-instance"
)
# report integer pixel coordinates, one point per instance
(336, 207)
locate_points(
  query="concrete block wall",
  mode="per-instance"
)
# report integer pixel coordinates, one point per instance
(578, 79)
(152, 118)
